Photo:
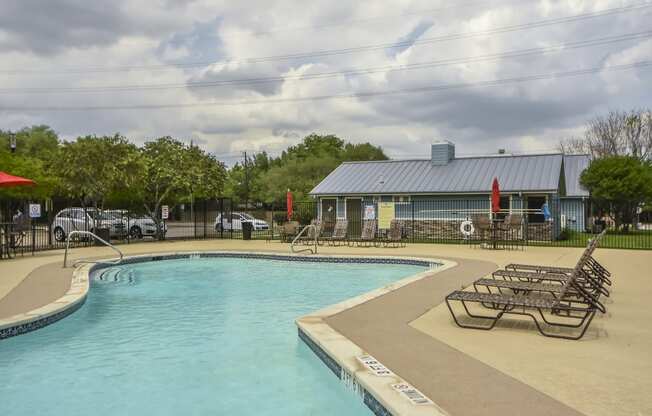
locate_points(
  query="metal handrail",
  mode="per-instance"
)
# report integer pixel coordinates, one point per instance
(101, 240)
(292, 250)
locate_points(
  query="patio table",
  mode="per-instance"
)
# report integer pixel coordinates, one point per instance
(495, 227)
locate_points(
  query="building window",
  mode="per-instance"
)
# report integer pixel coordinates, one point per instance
(534, 204)
(401, 198)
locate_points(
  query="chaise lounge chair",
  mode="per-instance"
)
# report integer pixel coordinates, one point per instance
(526, 282)
(573, 303)
(562, 270)
(394, 235)
(339, 233)
(592, 270)
(368, 235)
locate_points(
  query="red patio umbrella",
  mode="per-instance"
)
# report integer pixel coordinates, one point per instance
(495, 197)
(8, 181)
(289, 204)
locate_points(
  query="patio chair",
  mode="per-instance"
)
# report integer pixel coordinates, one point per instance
(15, 235)
(289, 231)
(573, 303)
(368, 235)
(339, 233)
(394, 236)
(511, 230)
(482, 225)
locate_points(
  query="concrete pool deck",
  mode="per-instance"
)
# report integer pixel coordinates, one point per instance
(511, 369)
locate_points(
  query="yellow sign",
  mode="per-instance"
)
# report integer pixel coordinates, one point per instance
(385, 214)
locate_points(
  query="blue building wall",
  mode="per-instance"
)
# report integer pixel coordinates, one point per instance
(444, 207)
(573, 209)
(452, 207)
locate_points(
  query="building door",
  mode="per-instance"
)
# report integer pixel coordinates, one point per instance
(328, 215)
(534, 205)
(354, 216)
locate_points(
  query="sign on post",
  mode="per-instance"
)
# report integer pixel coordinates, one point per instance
(385, 214)
(369, 212)
(165, 212)
(35, 210)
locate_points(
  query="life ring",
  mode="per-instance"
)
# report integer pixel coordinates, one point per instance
(467, 228)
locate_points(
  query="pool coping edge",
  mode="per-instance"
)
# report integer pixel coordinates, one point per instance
(338, 352)
(45, 315)
(376, 393)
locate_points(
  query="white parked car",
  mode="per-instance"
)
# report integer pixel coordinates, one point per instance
(234, 222)
(139, 226)
(80, 219)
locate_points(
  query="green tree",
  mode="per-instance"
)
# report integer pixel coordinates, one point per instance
(299, 168)
(40, 142)
(91, 168)
(31, 168)
(619, 185)
(172, 171)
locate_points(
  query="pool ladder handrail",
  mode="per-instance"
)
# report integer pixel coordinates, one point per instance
(95, 236)
(293, 243)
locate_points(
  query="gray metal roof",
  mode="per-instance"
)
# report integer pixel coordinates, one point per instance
(464, 175)
(574, 165)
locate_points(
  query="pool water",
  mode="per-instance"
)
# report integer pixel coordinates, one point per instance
(209, 336)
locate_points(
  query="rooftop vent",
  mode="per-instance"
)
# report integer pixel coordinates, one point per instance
(501, 151)
(442, 153)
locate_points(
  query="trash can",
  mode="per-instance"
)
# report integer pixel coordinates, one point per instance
(247, 226)
(104, 234)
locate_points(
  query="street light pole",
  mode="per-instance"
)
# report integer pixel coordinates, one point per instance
(246, 178)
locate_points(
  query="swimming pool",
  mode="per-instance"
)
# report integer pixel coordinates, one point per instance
(189, 336)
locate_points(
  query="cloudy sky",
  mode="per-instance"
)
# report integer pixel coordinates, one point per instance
(259, 75)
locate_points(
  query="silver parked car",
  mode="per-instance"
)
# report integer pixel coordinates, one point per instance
(139, 226)
(88, 219)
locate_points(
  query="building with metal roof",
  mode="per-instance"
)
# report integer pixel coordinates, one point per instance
(447, 182)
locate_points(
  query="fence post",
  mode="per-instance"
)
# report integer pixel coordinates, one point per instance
(221, 217)
(413, 227)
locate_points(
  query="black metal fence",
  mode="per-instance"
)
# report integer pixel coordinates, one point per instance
(568, 222)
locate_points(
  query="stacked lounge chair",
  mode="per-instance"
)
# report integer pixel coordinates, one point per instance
(545, 294)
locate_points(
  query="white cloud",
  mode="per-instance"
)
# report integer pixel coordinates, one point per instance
(531, 115)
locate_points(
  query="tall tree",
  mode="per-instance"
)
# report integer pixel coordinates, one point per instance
(91, 167)
(40, 142)
(618, 133)
(172, 171)
(299, 168)
(619, 185)
(28, 167)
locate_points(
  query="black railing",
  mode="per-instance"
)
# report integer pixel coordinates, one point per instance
(458, 221)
